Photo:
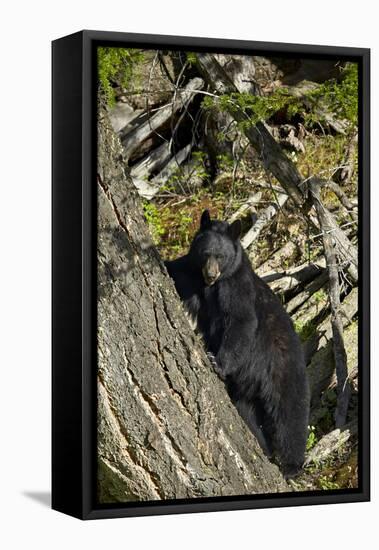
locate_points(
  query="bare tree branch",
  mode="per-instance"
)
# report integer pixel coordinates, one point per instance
(133, 140)
(344, 199)
(343, 386)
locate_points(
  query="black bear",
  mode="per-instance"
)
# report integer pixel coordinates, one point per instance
(250, 338)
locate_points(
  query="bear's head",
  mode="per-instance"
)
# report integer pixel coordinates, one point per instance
(216, 250)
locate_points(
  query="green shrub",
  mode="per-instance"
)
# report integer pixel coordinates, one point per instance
(154, 220)
(312, 438)
(339, 97)
(116, 64)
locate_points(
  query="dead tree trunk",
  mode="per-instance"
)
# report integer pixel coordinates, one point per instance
(340, 357)
(166, 427)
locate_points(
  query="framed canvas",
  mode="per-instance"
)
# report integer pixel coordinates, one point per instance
(210, 275)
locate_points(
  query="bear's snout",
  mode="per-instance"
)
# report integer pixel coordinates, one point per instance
(211, 271)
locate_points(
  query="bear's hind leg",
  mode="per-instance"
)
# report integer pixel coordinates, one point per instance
(253, 417)
(290, 437)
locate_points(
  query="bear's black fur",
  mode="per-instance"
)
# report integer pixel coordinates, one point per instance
(250, 338)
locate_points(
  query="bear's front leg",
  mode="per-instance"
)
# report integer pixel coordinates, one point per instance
(235, 350)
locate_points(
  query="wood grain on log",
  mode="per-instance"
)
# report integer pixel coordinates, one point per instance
(171, 167)
(276, 259)
(289, 280)
(152, 162)
(330, 443)
(149, 188)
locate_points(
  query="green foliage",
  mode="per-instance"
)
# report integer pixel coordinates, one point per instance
(184, 221)
(191, 58)
(180, 180)
(319, 296)
(225, 162)
(324, 482)
(174, 220)
(209, 103)
(154, 220)
(116, 64)
(323, 154)
(199, 169)
(339, 97)
(304, 330)
(312, 438)
(171, 229)
(256, 108)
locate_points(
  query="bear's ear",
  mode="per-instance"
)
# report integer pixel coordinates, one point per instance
(205, 220)
(234, 230)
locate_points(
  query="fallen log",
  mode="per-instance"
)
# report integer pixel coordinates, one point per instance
(246, 207)
(322, 374)
(271, 187)
(351, 345)
(331, 443)
(318, 353)
(349, 308)
(140, 117)
(289, 280)
(132, 140)
(152, 162)
(346, 251)
(144, 188)
(263, 220)
(276, 259)
(241, 69)
(171, 167)
(121, 115)
(148, 189)
(309, 290)
(312, 308)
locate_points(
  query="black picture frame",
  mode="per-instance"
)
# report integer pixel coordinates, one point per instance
(74, 275)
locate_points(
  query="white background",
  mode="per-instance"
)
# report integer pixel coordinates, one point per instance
(26, 31)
